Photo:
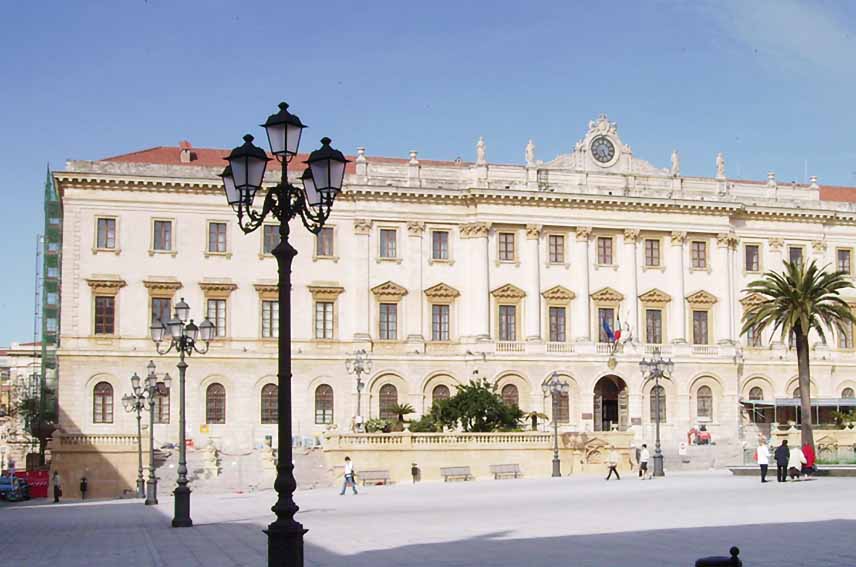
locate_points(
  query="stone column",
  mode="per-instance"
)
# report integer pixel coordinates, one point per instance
(582, 320)
(679, 313)
(478, 291)
(532, 283)
(414, 298)
(361, 298)
(631, 237)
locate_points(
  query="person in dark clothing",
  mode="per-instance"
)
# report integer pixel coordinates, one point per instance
(782, 456)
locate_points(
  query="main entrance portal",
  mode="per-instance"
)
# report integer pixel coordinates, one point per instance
(610, 404)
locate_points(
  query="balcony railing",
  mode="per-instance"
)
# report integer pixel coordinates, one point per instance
(609, 348)
(560, 347)
(651, 348)
(510, 346)
(705, 350)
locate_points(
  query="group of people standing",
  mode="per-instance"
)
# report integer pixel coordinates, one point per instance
(643, 456)
(793, 462)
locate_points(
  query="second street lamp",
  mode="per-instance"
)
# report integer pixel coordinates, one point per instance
(134, 403)
(657, 368)
(312, 202)
(556, 387)
(359, 364)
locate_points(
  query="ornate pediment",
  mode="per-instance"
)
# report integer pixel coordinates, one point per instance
(441, 291)
(389, 291)
(752, 300)
(558, 294)
(106, 285)
(508, 291)
(655, 296)
(325, 292)
(701, 298)
(165, 286)
(607, 295)
(217, 289)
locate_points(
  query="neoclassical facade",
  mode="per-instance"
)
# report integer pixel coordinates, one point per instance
(440, 269)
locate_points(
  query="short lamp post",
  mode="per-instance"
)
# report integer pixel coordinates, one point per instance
(134, 403)
(182, 335)
(556, 387)
(311, 200)
(655, 369)
(359, 364)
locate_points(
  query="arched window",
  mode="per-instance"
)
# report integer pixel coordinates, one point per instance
(439, 393)
(388, 400)
(324, 405)
(161, 408)
(215, 404)
(658, 392)
(796, 392)
(704, 402)
(756, 393)
(847, 393)
(270, 411)
(102, 403)
(564, 413)
(510, 395)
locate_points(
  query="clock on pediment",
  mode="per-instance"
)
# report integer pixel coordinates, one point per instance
(602, 150)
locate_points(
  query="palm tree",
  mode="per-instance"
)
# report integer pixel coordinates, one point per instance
(401, 410)
(795, 302)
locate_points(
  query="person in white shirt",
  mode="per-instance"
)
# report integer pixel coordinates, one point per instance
(644, 457)
(349, 477)
(762, 455)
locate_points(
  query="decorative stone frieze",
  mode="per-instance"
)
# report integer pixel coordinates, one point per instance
(558, 294)
(441, 291)
(158, 286)
(267, 291)
(818, 246)
(508, 291)
(751, 300)
(776, 243)
(631, 234)
(533, 231)
(655, 298)
(475, 230)
(389, 291)
(326, 292)
(362, 226)
(106, 285)
(679, 237)
(217, 289)
(415, 228)
(583, 232)
(726, 240)
(607, 295)
(701, 299)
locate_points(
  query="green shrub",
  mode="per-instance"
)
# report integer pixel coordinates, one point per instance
(478, 409)
(378, 426)
(425, 424)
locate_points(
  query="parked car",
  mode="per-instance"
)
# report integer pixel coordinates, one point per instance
(14, 489)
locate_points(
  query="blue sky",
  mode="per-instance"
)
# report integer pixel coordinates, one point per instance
(770, 84)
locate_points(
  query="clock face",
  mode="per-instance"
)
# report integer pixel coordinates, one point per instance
(602, 149)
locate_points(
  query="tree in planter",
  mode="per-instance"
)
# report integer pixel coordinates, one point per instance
(477, 408)
(533, 417)
(796, 301)
(401, 410)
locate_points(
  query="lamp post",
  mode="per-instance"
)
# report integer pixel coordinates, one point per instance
(358, 364)
(555, 387)
(134, 403)
(182, 337)
(312, 200)
(657, 368)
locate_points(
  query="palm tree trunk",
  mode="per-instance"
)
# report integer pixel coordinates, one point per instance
(807, 435)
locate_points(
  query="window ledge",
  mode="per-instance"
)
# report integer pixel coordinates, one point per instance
(115, 251)
(263, 255)
(706, 270)
(334, 259)
(227, 255)
(172, 253)
(549, 265)
(660, 268)
(613, 267)
(447, 262)
(381, 259)
(516, 263)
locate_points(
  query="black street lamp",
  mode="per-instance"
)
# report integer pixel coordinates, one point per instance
(182, 337)
(134, 403)
(657, 368)
(556, 388)
(312, 201)
(358, 364)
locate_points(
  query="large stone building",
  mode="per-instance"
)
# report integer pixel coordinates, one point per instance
(439, 269)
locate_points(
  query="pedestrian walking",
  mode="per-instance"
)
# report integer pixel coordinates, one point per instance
(809, 466)
(762, 455)
(782, 455)
(612, 462)
(796, 461)
(57, 486)
(644, 457)
(349, 477)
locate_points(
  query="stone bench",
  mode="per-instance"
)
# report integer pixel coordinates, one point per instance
(456, 473)
(499, 471)
(375, 477)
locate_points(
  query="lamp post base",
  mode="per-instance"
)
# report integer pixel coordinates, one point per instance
(141, 488)
(557, 467)
(152, 492)
(285, 545)
(658, 465)
(181, 518)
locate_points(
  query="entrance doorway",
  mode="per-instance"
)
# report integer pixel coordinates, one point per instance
(610, 404)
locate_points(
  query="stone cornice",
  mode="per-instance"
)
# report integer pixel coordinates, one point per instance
(558, 294)
(217, 289)
(325, 292)
(655, 297)
(751, 300)
(701, 298)
(607, 295)
(508, 291)
(163, 286)
(106, 285)
(389, 291)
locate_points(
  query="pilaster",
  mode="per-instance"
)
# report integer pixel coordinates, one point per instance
(361, 298)
(679, 311)
(532, 283)
(582, 320)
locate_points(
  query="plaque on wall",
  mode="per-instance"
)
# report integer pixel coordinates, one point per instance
(587, 416)
(635, 421)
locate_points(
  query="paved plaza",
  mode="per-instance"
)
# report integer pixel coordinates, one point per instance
(578, 521)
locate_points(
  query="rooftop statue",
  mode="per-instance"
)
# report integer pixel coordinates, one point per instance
(720, 166)
(530, 153)
(481, 157)
(676, 164)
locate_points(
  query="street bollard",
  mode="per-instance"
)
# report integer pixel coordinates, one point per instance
(720, 561)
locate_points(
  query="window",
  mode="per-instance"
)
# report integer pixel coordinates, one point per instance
(756, 393)
(753, 337)
(324, 405)
(271, 238)
(795, 254)
(217, 237)
(162, 236)
(269, 409)
(270, 319)
(161, 408)
(752, 258)
(217, 315)
(654, 326)
(105, 310)
(51, 324)
(605, 314)
(843, 257)
(52, 298)
(440, 245)
(557, 324)
(658, 396)
(506, 246)
(564, 413)
(388, 248)
(704, 402)
(439, 322)
(106, 234)
(388, 321)
(53, 272)
(847, 393)
(700, 328)
(698, 254)
(324, 243)
(510, 395)
(652, 253)
(387, 400)
(440, 393)
(215, 404)
(556, 248)
(604, 251)
(161, 307)
(324, 320)
(102, 403)
(796, 393)
(845, 339)
(508, 322)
